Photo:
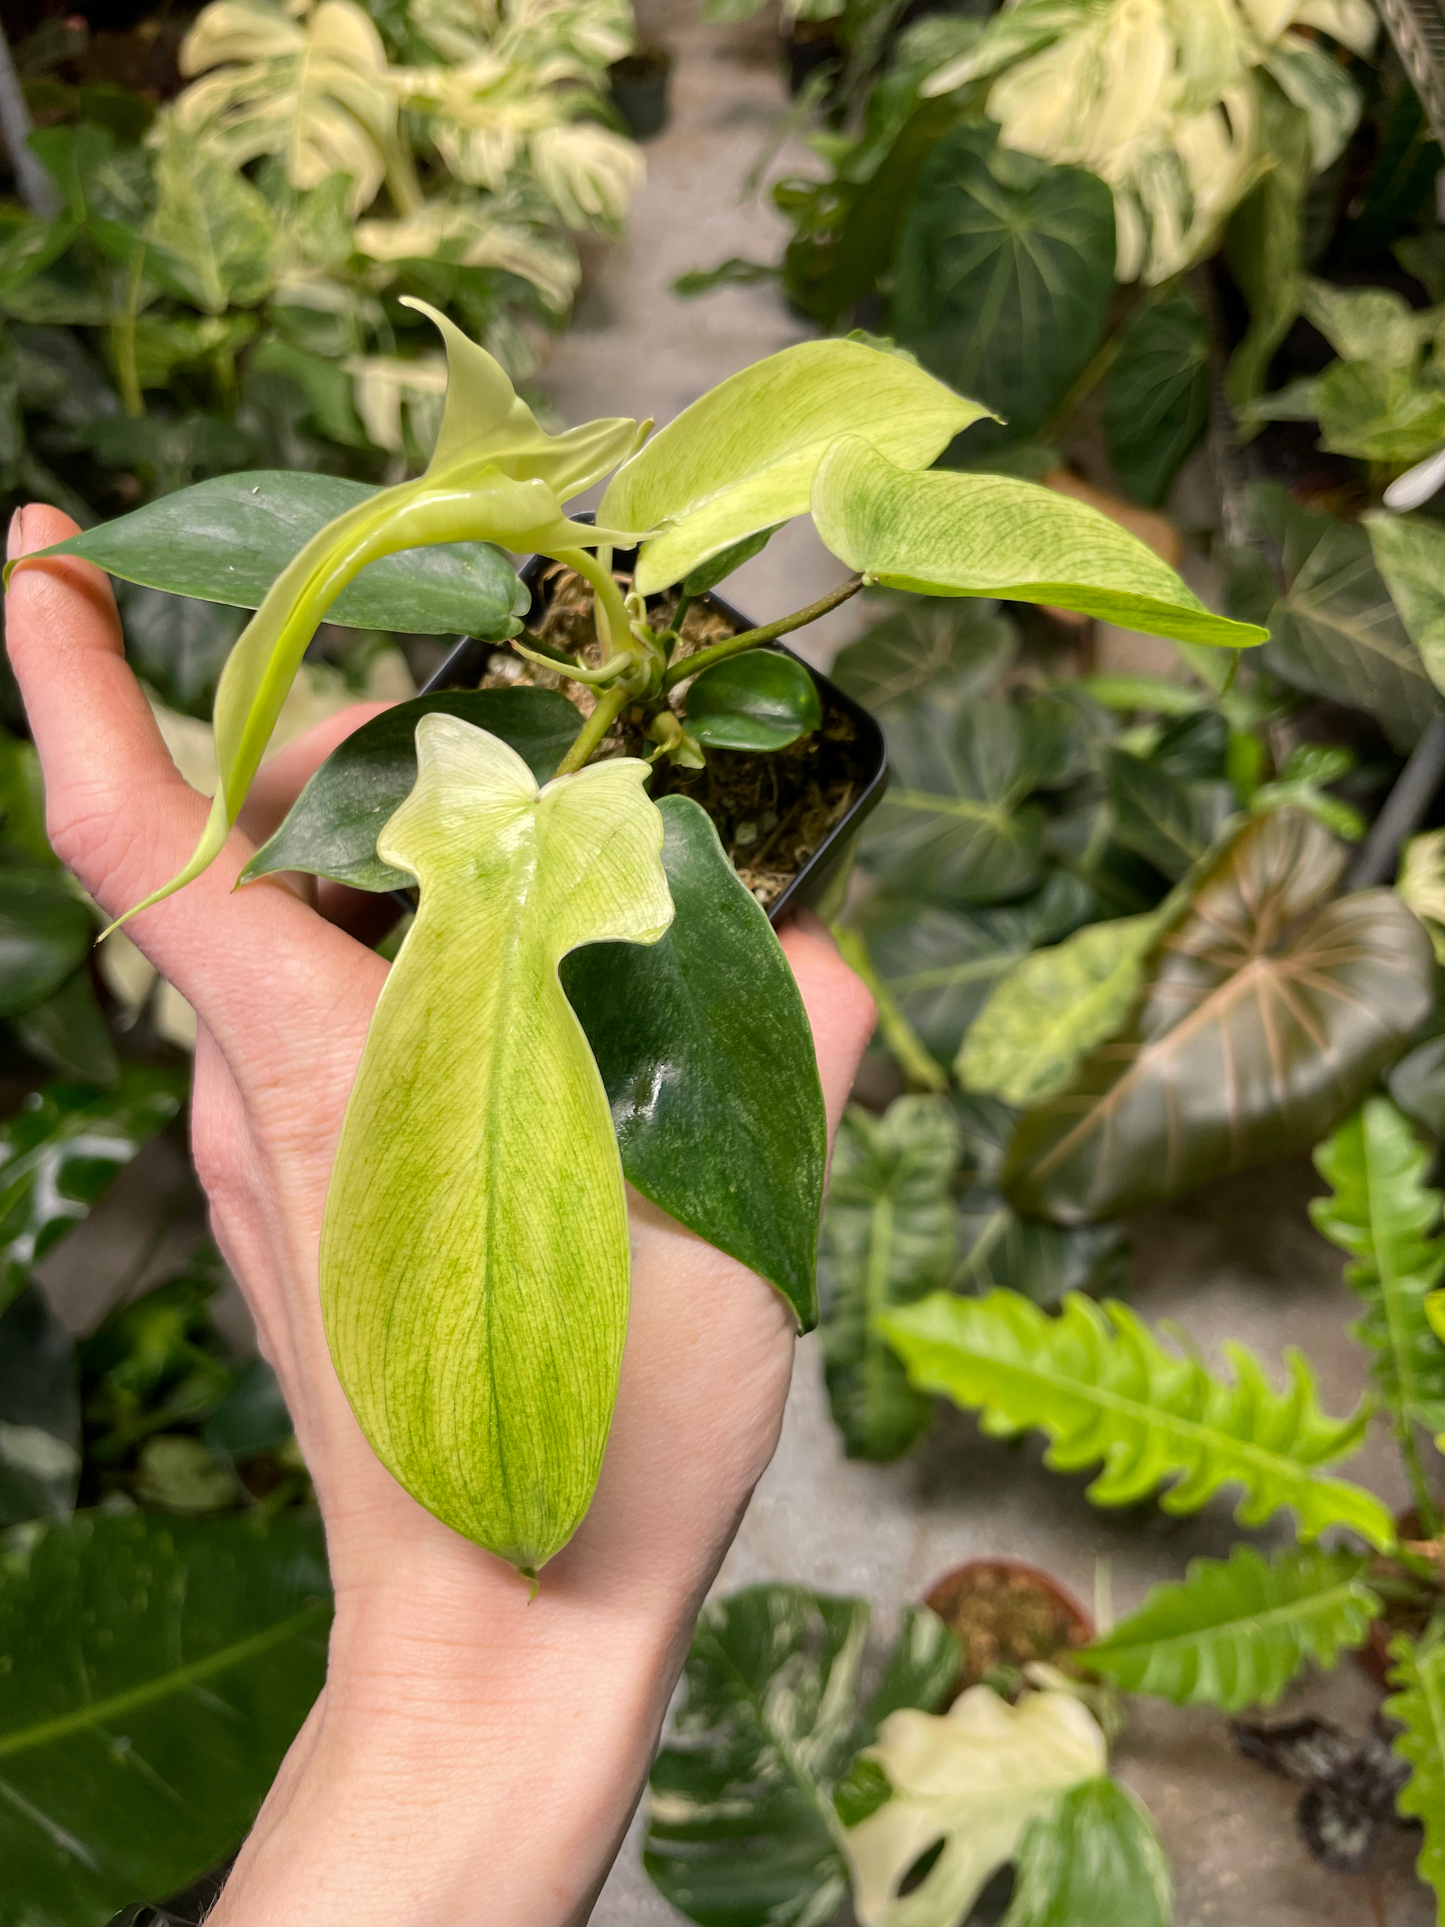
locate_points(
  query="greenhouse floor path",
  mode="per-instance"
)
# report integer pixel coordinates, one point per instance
(1239, 1261)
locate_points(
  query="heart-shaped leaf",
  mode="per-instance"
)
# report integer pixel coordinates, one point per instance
(742, 1826)
(39, 1413)
(707, 1057)
(1268, 1020)
(941, 645)
(1003, 274)
(1334, 630)
(158, 1670)
(761, 700)
(1156, 395)
(1165, 819)
(942, 533)
(475, 1251)
(61, 1149)
(332, 827)
(45, 932)
(228, 540)
(743, 457)
(956, 825)
(889, 1237)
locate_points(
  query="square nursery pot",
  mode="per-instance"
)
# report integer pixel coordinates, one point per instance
(638, 86)
(822, 881)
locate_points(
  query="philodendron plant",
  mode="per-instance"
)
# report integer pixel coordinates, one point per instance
(474, 1262)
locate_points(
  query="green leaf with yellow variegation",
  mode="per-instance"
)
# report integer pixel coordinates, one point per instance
(474, 1257)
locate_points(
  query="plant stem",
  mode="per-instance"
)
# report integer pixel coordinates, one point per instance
(916, 1062)
(755, 638)
(612, 629)
(610, 706)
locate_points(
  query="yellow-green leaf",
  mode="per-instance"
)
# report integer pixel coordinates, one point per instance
(743, 456)
(474, 1258)
(947, 533)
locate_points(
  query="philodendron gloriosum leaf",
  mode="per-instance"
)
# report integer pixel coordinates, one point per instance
(474, 1257)
(942, 532)
(1419, 1705)
(1387, 1218)
(743, 456)
(1099, 1383)
(496, 475)
(1236, 1632)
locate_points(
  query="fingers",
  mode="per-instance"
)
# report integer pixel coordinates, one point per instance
(840, 1008)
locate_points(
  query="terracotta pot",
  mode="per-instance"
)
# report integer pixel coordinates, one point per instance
(1003, 1614)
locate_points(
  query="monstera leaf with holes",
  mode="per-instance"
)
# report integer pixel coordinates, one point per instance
(958, 825)
(1271, 1013)
(742, 1821)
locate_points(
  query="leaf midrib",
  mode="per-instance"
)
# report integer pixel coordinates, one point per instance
(98, 1712)
(1309, 1606)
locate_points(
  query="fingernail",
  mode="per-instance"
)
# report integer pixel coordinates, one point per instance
(15, 540)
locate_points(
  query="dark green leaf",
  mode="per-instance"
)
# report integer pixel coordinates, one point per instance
(1094, 1860)
(1271, 1014)
(173, 451)
(69, 1034)
(61, 1150)
(1156, 396)
(228, 539)
(998, 1249)
(39, 1413)
(742, 1831)
(1417, 1084)
(956, 825)
(158, 1670)
(1168, 822)
(942, 644)
(760, 700)
(708, 1060)
(333, 825)
(22, 800)
(178, 644)
(708, 574)
(1004, 271)
(1334, 631)
(1263, 243)
(252, 1415)
(1193, 748)
(45, 933)
(888, 1238)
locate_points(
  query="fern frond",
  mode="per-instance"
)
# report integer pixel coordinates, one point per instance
(1098, 1382)
(1419, 1672)
(1235, 1632)
(1383, 1214)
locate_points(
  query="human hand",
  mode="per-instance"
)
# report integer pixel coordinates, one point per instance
(473, 1757)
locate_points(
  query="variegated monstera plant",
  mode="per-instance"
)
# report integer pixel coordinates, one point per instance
(475, 1251)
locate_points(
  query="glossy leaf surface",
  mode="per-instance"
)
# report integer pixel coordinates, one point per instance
(332, 827)
(39, 1413)
(944, 533)
(1388, 1219)
(1268, 1019)
(1003, 273)
(45, 932)
(974, 1777)
(1419, 1706)
(942, 645)
(1093, 1860)
(956, 825)
(159, 1670)
(61, 1149)
(1098, 1382)
(475, 1256)
(742, 1829)
(707, 1057)
(1156, 396)
(227, 540)
(889, 1238)
(1235, 1632)
(759, 700)
(743, 456)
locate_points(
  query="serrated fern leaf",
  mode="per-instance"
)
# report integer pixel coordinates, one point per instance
(1098, 1382)
(1420, 1707)
(1235, 1632)
(1385, 1216)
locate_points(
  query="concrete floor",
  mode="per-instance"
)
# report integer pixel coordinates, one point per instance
(1239, 1261)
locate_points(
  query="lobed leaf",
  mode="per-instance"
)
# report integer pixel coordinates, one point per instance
(1094, 1860)
(889, 1238)
(1100, 1385)
(1387, 1218)
(475, 1252)
(943, 533)
(1235, 1633)
(1419, 1706)
(743, 456)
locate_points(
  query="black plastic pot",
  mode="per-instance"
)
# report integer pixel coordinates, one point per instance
(823, 879)
(638, 86)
